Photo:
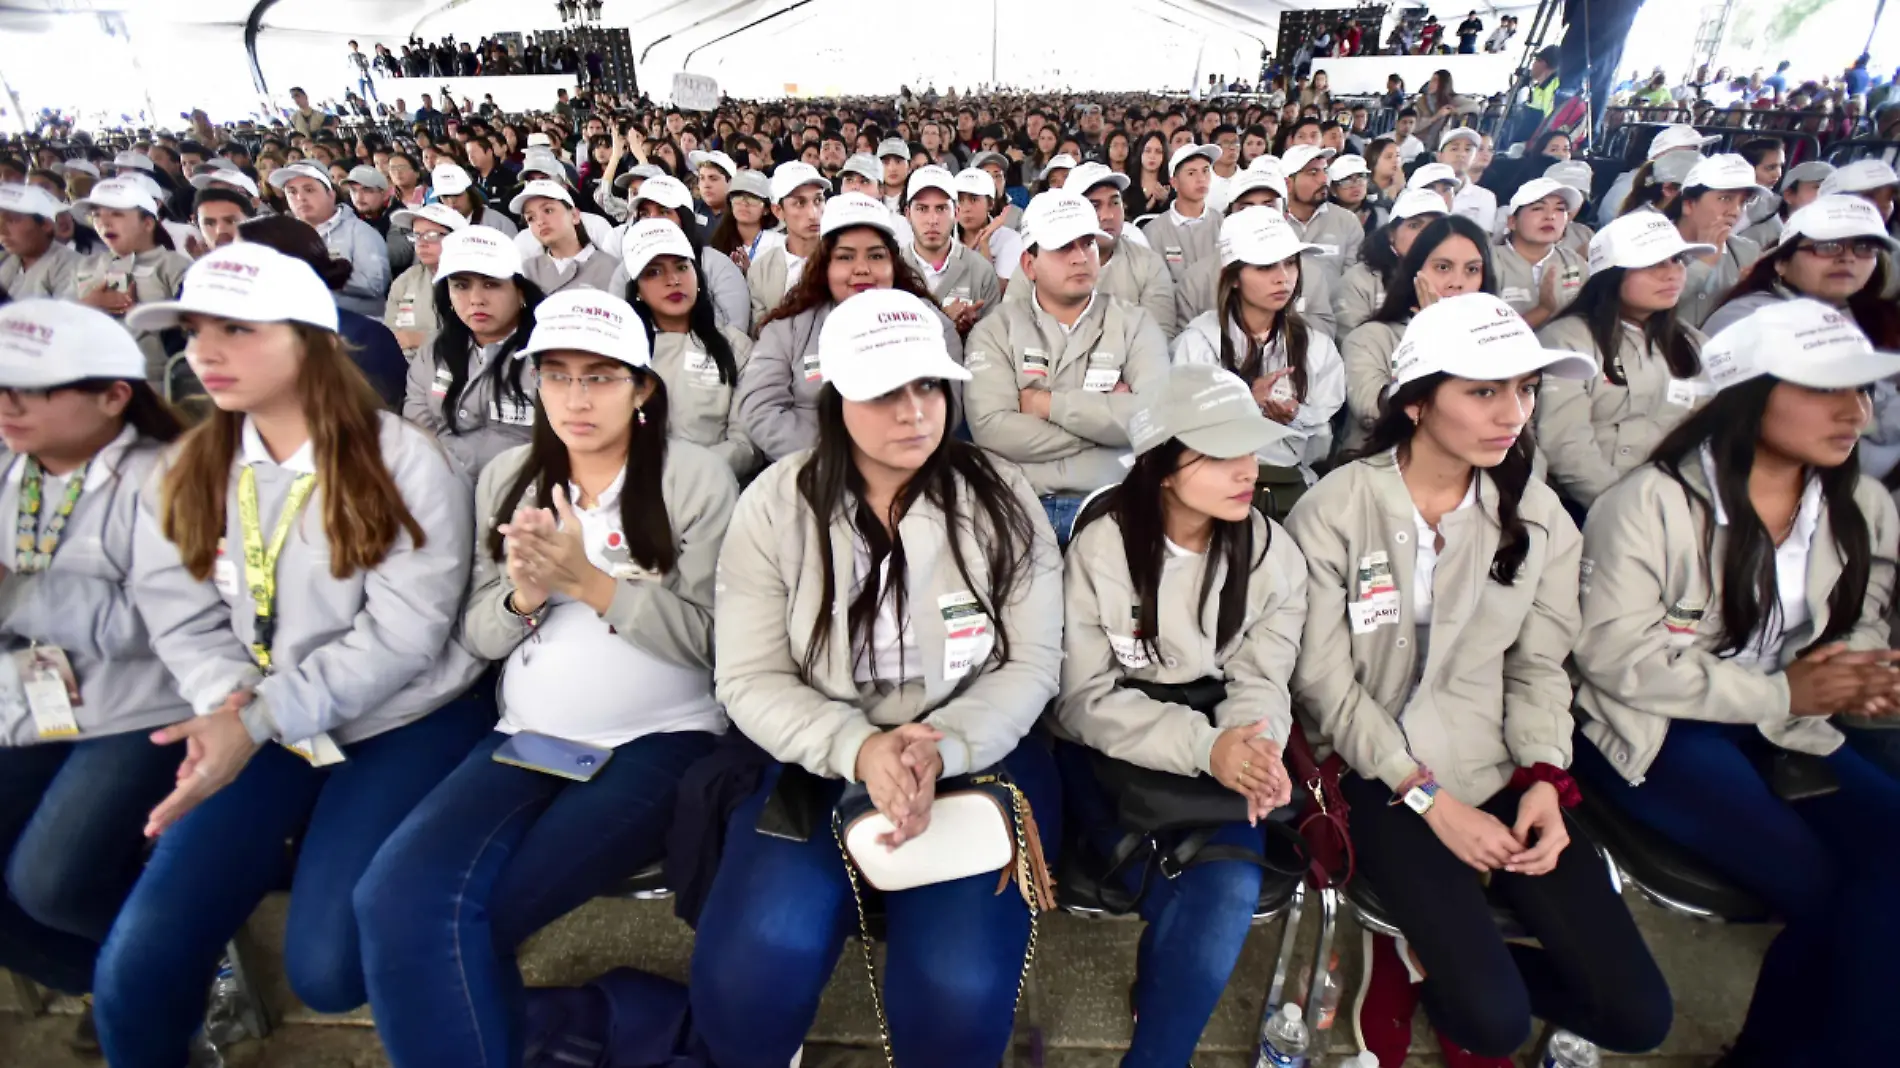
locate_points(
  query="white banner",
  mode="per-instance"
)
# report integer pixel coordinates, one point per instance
(695, 92)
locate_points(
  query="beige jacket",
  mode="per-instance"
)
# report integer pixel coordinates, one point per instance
(1080, 447)
(767, 280)
(1519, 285)
(411, 306)
(1492, 695)
(1181, 247)
(966, 276)
(1594, 431)
(595, 272)
(669, 615)
(50, 275)
(154, 275)
(1358, 297)
(1135, 276)
(1200, 288)
(770, 590)
(1705, 283)
(700, 408)
(1368, 355)
(1102, 647)
(1651, 615)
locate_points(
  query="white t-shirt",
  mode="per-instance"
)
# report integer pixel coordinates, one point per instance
(1425, 559)
(576, 678)
(892, 648)
(1791, 573)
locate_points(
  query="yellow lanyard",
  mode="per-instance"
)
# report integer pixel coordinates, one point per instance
(260, 564)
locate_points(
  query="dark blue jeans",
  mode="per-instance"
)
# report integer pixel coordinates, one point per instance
(1829, 866)
(493, 855)
(1062, 511)
(778, 916)
(1197, 922)
(1879, 746)
(213, 867)
(72, 819)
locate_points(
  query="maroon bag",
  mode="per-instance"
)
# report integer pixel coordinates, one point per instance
(1324, 823)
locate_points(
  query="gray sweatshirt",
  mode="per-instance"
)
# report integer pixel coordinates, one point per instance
(966, 276)
(732, 301)
(597, 271)
(82, 603)
(1136, 275)
(411, 306)
(1337, 232)
(1182, 246)
(488, 421)
(352, 657)
(700, 408)
(49, 276)
(1200, 288)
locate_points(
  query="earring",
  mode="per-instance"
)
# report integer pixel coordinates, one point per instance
(640, 416)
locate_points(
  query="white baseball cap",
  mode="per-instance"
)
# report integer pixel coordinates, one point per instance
(1264, 162)
(640, 172)
(666, 191)
(45, 343)
(1415, 202)
(1813, 170)
(789, 177)
(1837, 217)
(1637, 240)
(282, 176)
(1674, 168)
(1259, 236)
(1248, 181)
(881, 339)
(447, 180)
(1347, 167)
(864, 165)
(1059, 162)
(751, 183)
(1538, 188)
(230, 177)
(1801, 341)
(367, 176)
(1209, 409)
(1574, 173)
(893, 146)
(122, 194)
(1726, 171)
(1298, 157)
(540, 140)
(543, 161)
(1087, 176)
(976, 182)
(984, 159)
(717, 159)
(1431, 174)
(29, 200)
(1460, 133)
(847, 210)
(932, 176)
(1058, 217)
(1860, 176)
(1478, 336)
(1679, 136)
(83, 166)
(250, 283)
(590, 321)
(138, 160)
(440, 214)
(1211, 153)
(648, 238)
(481, 250)
(541, 187)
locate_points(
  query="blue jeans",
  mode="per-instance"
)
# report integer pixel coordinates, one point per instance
(1196, 922)
(778, 915)
(1829, 866)
(1879, 746)
(1062, 511)
(72, 820)
(212, 868)
(493, 855)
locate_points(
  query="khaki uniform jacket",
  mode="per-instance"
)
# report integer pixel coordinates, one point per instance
(1200, 288)
(1492, 695)
(668, 615)
(1081, 446)
(411, 306)
(1651, 617)
(1181, 247)
(155, 275)
(1518, 284)
(487, 421)
(1706, 283)
(1357, 299)
(1594, 431)
(767, 280)
(770, 595)
(967, 276)
(50, 275)
(1368, 355)
(1577, 239)
(778, 389)
(700, 408)
(1312, 423)
(1136, 276)
(725, 287)
(1338, 234)
(1102, 647)
(596, 272)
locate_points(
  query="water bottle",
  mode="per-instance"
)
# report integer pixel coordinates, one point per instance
(1570, 1051)
(224, 1024)
(1283, 1041)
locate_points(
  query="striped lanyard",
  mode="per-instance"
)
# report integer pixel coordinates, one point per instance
(36, 548)
(260, 563)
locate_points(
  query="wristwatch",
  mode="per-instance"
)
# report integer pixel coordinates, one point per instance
(1420, 798)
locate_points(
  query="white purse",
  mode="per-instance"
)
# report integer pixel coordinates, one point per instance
(969, 834)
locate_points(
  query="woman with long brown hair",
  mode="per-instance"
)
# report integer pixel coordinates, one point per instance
(300, 564)
(780, 385)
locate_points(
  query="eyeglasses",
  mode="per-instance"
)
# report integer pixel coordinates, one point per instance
(425, 239)
(1863, 248)
(557, 382)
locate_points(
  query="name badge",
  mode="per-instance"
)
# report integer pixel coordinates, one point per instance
(700, 363)
(1683, 393)
(1129, 651)
(1369, 615)
(406, 313)
(443, 379)
(52, 692)
(511, 412)
(224, 573)
(1282, 391)
(1101, 379)
(1327, 250)
(812, 373)
(1514, 295)
(1681, 621)
(1035, 363)
(967, 639)
(1173, 255)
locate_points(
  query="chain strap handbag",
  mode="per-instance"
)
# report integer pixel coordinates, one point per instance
(979, 823)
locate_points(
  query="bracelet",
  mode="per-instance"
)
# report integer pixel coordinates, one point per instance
(1568, 795)
(531, 620)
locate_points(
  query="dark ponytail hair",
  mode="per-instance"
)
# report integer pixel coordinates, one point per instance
(1600, 304)
(1394, 430)
(1729, 425)
(453, 342)
(643, 518)
(1136, 505)
(1400, 292)
(701, 322)
(830, 481)
(1288, 328)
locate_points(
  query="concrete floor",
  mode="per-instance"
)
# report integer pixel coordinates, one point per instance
(1078, 995)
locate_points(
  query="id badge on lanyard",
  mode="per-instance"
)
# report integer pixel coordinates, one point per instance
(260, 577)
(52, 690)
